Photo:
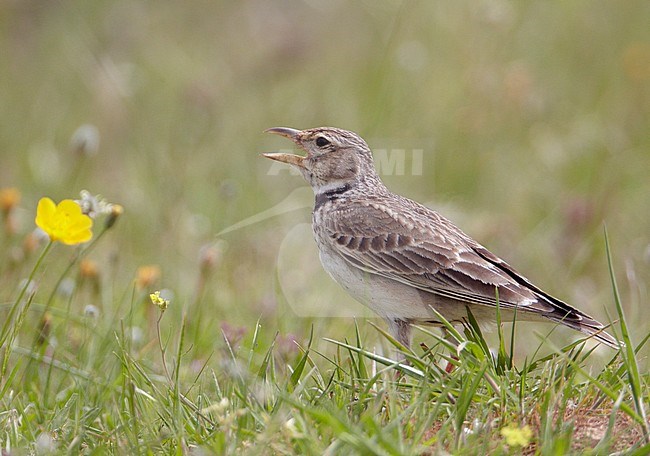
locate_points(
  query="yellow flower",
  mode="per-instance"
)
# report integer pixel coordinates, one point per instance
(516, 436)
(159, 301)
(64, 222)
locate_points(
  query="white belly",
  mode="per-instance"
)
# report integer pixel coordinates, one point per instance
(386, 297)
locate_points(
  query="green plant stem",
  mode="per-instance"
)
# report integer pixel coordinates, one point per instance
(80, 253)
(7, 335)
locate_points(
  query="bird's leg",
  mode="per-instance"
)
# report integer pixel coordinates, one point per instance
(450, 366)
(452, 340)
(401, 331)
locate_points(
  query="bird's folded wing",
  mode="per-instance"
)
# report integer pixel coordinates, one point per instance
(423, 250)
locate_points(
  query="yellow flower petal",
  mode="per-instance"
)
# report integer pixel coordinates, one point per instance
(78, 223)
(44, 213)
(77, 238)
(63, 222)
(69, 207)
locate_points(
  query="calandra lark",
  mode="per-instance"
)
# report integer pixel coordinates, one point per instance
(400, 258)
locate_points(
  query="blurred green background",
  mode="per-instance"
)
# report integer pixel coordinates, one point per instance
(532, 119)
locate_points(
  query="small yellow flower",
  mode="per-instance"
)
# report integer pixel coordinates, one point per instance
(159, 301)
(516, 436)
(64, 222)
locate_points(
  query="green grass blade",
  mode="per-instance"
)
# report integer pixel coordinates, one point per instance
(300, 366)
(411, 371)
(629, 356)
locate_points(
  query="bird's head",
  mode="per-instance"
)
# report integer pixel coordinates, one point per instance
(334, 157)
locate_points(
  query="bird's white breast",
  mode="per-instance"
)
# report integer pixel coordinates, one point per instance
(386, 297)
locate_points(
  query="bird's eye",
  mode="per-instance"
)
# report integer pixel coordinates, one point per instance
(322, 142)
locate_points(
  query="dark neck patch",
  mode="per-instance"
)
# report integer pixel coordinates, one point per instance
(330, 195)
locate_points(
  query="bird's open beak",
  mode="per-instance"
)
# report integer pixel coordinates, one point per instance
(287, 132)
(295, 160)
(291, 159)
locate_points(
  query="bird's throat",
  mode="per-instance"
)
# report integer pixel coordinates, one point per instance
(330, 194)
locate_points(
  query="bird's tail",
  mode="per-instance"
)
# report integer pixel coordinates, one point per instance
(587, 325)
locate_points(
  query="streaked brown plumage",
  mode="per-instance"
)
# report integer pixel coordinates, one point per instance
(401, 258)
